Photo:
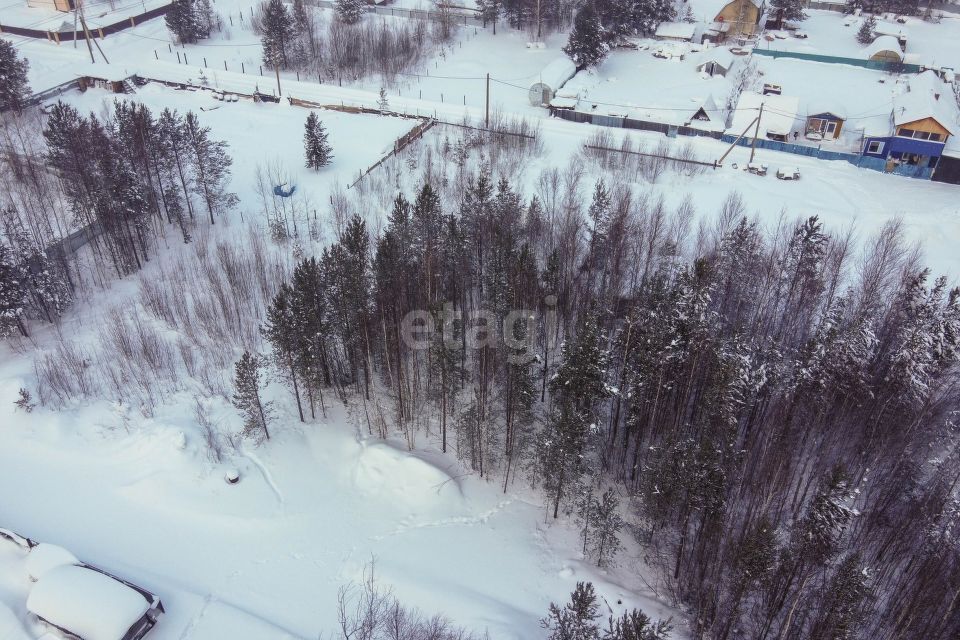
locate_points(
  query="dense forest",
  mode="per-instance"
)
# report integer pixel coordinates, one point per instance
(769, 409)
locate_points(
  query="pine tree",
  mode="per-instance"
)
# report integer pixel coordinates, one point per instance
(13, 77)
(283, 333)
(189, 20)
(278, 34)
(606, 524)
(576, 619)
(383, 103)
(489, 11)
(581, 376)
(248, 384)
(636, 625)
(841, 610)
(866, 33)
(785, 10)
(13, 295)
(211, 165)
(316, 147)
(350, 11)
(587, 46)
(560, 450)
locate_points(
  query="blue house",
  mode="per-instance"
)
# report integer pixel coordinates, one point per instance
(922, 120)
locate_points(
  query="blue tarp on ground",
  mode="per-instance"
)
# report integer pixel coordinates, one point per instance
(284, 193)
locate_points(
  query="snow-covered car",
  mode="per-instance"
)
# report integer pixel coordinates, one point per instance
(663, 54)
(757, 169)
(803, 35)
(788, 173)
(85, 602)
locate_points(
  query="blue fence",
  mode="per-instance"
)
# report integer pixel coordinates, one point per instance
(876, 65)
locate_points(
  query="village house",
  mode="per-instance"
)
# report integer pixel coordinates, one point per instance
(824, 120)
(922, 121)
(731, 18)
(778, 116)
(59, 5)
(676, 31)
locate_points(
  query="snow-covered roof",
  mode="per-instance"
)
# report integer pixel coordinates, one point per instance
(86, 603)
(779, 113)
(680, 30)
(927, 97)
(555, 74)
(890, 29)
(709, 9)
(718, 55)
(45, 557)
(108, 72)
(823, 104)
(883, 44)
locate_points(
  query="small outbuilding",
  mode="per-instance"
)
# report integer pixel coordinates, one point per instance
(676, 31)
(885, 49)
(824, 120)
(550, 80)
(715, 62)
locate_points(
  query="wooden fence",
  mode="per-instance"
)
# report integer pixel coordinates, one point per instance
(98, 32)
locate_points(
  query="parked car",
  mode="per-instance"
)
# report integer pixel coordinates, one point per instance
(663, 54)
(757, 169)
(788, 173)
(803, 35)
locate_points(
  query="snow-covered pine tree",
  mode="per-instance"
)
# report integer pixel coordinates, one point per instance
(187, 21)
(587, 45)
(13, 295)
(248, 385)
(648, 14)
(283, 333)
(576, 619)
(607, 523)
(489, 11)
(636, 625)
(865, 34)
(48, 289)
(383, 103)
(315, 144)
(311, 316)
(278, 34)
(581, 376)
(841, 610)
(559, 453)
(350, 11)
(211, 166)
(787, 10)
(13, 77)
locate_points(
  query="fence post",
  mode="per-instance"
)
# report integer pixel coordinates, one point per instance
(178, 57)
(185, 58)
(242, 68)
(155, 55)
(204, 62)
(225, 66)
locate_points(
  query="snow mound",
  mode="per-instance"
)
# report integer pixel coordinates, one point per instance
(398, 475)
(45, 557)
(10, 627)
(86, 603)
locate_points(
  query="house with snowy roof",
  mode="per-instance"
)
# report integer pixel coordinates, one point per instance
(676, 31)
(777, 113)
(730, 18)
(922, 121)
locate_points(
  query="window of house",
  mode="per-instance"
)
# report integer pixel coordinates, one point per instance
(875, 146)
(936, 137)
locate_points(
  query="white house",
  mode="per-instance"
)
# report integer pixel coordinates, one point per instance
(777, 120)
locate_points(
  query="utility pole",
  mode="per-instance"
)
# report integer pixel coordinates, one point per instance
(277, 69)
(86, 33)
(487, 119)
(753, 145)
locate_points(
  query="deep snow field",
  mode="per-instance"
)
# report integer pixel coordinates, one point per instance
(316, 505)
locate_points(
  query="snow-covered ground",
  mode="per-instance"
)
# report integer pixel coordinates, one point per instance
(265, 558)
(834, 34)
